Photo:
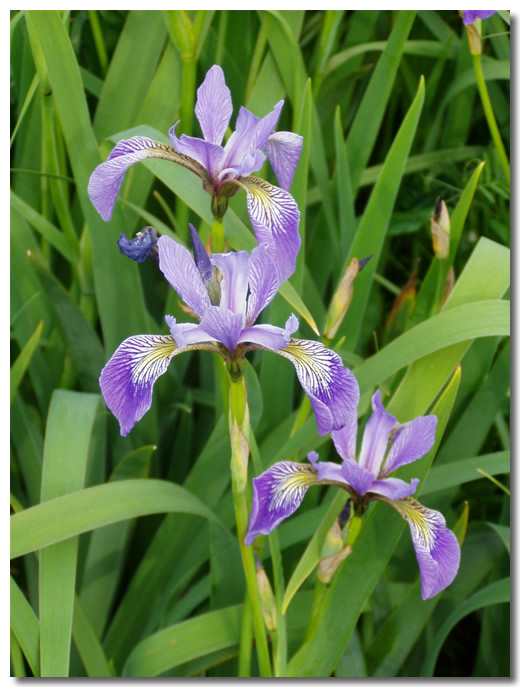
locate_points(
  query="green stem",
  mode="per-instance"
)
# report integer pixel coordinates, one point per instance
(490, 116)
(246, 640)
(238, 420)
(217, 236)
(98, 40)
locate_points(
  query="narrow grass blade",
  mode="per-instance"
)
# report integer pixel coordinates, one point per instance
(21, 363)
(26, 628)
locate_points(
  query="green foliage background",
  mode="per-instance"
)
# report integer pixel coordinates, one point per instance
(390, 111)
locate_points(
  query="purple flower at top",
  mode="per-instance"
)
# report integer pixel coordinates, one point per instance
(279, 491)
(226, 293)
(225, 169)
(469, 16)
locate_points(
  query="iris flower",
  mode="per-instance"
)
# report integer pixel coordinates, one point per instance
(225, 169)
(227, 293)
(279, 491)
(469, 16)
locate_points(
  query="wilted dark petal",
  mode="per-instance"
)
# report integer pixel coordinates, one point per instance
(393, 488)
(375, 438)
(140, 247)
(345, 438)
(277, 493)
(214, 107)
(283, 150)
(177, 265)
(235, 269)
(105, 181)
(263, 283)
(127, 379)
(275, 218)
(186, 333)
(223, 325)
(436, 547)
(332, 389)
(411, 441)
(209, 155)
(206, 270)
(469, 16)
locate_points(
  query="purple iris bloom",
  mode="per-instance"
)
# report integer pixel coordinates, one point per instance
(469, 16)
(278, 491)
(227, 293)
(225, 169)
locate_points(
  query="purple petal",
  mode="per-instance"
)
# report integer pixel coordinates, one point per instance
(275, 218)
(265, 335)
(345, 438)
(209, 155)
(186, 333)
(469, 16)
(105, 181)
(359, 478)
(235, 270)
(394, 488)
(214, 107)
(250, 135)
(411, 441)
(283, 150)
(249, 163)
(375, 438)
(127, 379)
(179, 268)
(223, 325)
(263, 283)
(436, 547)
(332, 388)
(327, 472)
(277, 493)
(140, 247)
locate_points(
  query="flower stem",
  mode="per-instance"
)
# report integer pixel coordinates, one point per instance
(246, 640)
(239, 432)
(490, 116)
(217, 236)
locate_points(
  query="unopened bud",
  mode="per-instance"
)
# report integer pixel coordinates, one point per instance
(329, 565)
(440, 229)
(474, 39)
(341, 300)
(266, 596)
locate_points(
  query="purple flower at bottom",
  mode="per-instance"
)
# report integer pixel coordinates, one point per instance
(225, 169)
(469, 16)
(227, 293)
(279, 491)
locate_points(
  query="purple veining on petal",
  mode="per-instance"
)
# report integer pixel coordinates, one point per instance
(410, 442)
(179, 268)
(277, 493)
(375, 438)
(127, 379)
(223, 325)
(332, 389)
(283, 150)
(214, 106)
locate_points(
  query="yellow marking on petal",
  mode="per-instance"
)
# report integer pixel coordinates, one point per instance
(314, 362)
(423, 520)
(160, 351)
(294, 481)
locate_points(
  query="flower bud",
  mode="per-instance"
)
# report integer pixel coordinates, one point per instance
(329, 565)
(140, 247)
(440, 229)
(266, 596)
(341, 300)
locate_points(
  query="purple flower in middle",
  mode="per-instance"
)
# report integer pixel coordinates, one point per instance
(279, 491)
(227, 293)
(225, 169)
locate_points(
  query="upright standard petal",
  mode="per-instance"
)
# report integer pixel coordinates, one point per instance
(283, 150)
(410, 442)
(436, 547)
(105, 181)
(250, 135)
(263, 283)
(207, 154)
(332, 389)
(214, 106)
(127, 379)
(345, 438)
(275, 218)
(235, 270)
(375, 438)
(277, 493)
(179, 268)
